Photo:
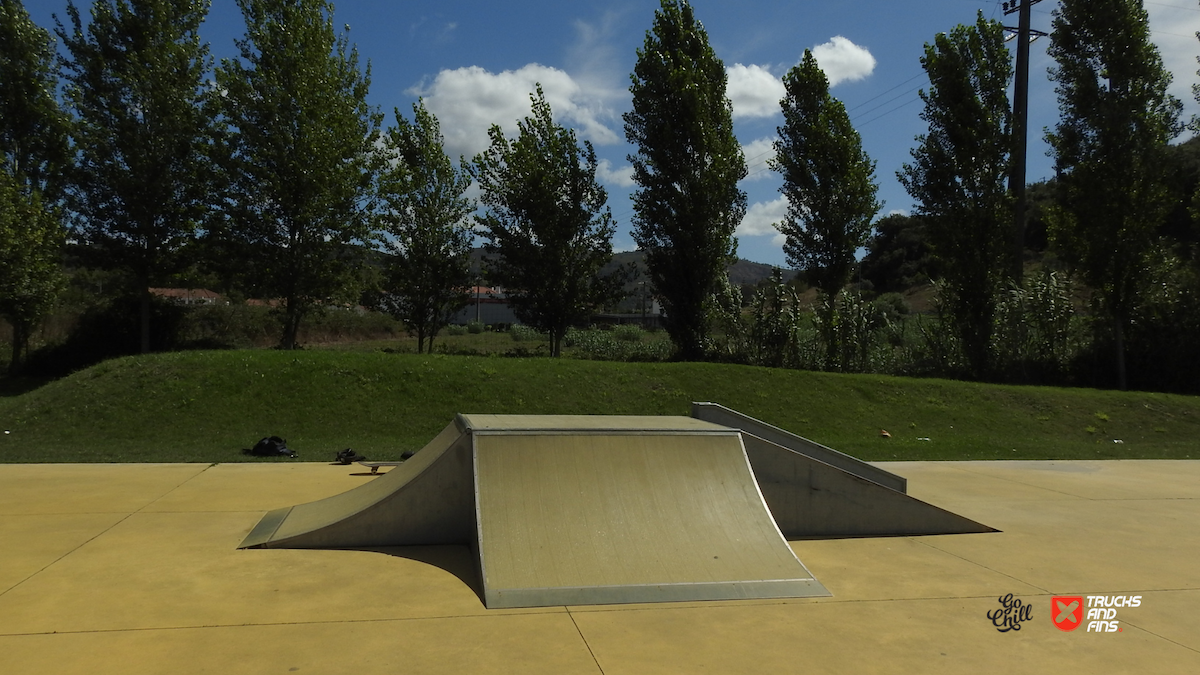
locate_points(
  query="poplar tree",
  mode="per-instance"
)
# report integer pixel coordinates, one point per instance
(687, 166)
(1116, 118)
(302, 159)
(143, 132)
(959, 177)
(31, 240)
(828, 179)
(423, 212)
(549, 231)
(829, 184)
(33, 128)
(33, 157)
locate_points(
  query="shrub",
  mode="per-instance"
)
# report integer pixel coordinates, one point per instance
(521, 333)
(601, 345)
(629, 332)
(475, 327)
(455, 329)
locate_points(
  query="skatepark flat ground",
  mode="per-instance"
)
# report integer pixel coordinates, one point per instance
(133, 568)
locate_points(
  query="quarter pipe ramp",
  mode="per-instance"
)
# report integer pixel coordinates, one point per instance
(567, 510)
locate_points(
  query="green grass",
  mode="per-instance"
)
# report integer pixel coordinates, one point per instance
(206, 406)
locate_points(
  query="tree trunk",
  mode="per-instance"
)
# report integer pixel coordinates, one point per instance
(145, 322)
(19, 346)
(1119, 335)
(556, 336)
(291, 326)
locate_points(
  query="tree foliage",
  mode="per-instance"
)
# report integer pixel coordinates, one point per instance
(1116, 118)
(548, 229)
(959, 176)
(898, 255)
(687, 166)
(423, 209)
(33, 157)
(143, 133)
(33, 129)
(827, 178)
(301, 159)
(31, 241)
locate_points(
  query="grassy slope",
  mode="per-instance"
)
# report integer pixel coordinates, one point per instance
(205, 406)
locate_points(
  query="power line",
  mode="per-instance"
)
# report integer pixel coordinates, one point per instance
(884, 93)
(888, 112)
(897, 96)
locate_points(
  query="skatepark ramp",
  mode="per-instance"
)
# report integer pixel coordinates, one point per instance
(569, 510)
(814, 491)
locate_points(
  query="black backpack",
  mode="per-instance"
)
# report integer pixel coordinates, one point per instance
(272, 446)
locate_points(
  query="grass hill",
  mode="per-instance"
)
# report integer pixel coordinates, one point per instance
(206, 406)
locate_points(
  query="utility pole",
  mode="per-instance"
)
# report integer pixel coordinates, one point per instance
(1016, 181)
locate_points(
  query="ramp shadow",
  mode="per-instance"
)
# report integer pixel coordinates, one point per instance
(455, 559)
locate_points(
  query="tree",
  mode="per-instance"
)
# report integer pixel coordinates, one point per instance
(31, 241)
(143, 134)
(549, 232)
(301, 161)
(827, 178)
(898, 255)
(687, 167)
(959, 177)
(1116, 118)
(33, 129)
(424, 211)
(829, 184)
(33, 156)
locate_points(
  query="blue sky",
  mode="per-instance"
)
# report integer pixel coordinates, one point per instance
(475, 63)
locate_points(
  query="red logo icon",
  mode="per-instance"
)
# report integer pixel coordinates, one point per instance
(1067, 611)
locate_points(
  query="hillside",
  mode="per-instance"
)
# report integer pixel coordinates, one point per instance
(206, 406)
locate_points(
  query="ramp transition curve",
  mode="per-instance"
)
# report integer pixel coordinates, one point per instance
(566, 510)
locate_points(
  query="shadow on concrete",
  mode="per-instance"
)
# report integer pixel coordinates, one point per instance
(455, 559)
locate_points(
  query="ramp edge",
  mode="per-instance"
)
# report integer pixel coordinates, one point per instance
(719, 414)
(262, 533)
(768, 589)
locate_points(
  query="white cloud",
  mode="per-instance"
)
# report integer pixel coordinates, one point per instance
(753, 90)
(761, 218)
(1173, 31)
(468, 101)
(843, 61)
(622, 177)
(757, 153)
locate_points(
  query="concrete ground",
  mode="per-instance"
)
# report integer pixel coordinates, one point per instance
(134, 569)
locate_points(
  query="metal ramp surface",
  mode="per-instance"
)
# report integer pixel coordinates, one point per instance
(580, 509)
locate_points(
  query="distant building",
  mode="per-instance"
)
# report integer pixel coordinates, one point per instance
(488, 306)
(189, 296)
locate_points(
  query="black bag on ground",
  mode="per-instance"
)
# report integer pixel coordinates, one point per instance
(271, 446)
(348, 456)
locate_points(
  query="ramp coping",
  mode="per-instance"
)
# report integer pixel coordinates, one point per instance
(719, 414)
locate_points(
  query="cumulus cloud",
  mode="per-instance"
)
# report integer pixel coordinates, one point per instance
(468, 101)
(606, 174)
(757, 153)
(1173, 31)
(843, 61)
(753, 90)
(760, 220)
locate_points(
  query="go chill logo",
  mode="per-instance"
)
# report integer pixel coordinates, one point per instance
(1067, 612)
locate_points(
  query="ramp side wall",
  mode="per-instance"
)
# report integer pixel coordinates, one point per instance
(427, 500)
(719, 414)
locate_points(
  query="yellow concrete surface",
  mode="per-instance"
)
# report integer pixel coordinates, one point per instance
(133, 569)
